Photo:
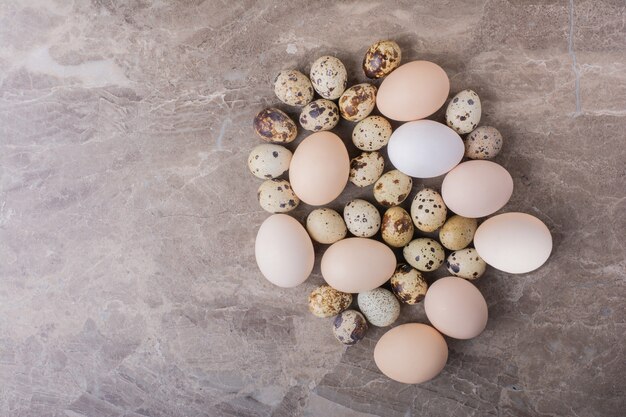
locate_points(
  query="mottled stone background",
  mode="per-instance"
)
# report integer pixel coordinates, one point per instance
(128, 285)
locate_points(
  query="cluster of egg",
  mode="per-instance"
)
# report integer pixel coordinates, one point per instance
(319, 170)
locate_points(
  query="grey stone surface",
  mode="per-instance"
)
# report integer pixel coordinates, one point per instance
(128, 285)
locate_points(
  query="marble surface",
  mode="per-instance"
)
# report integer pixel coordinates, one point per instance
(128, 285)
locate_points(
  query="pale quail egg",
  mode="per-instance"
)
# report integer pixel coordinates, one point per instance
(293, 87)
(379, 306)
(485, 142)
(357, 102)
(381, 58)
(319, 115)
(424, 254)
(269, 161)
(408, 284)
(457, 232)
(371, 133)
(428, 210)
(329, 77)
(349, 327)
(366, 168)
(276, 196)
(397, 227)
(463, 112)
(273, 125)
(392, 188)
(326, 226)
(325, 301)
(362, 218)
(466, 263)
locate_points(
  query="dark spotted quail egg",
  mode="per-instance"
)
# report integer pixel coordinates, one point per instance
(424, 254)
(381, 58)
(397, 227)
(428, 210)
(268, 161)
(325, 301)
(466, 263)
(371, 133)
(379, 306)
(326, 226)
(485, 142)
(366, 168)
(273, 125)
(463, 112)
(349, 327)
(457, 232)
(293, 88)
(362, 218)
(357, 102)
(276, 196)
(319, 115)
(392, 188)
(408, 284)
(329, 77)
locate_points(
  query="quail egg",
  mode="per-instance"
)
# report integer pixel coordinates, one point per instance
(269, 161)
(466, 263)
(463, 112)
(357, 102)
(326, 226)
(276, 196)
(293, 88)
(329, 77)
(457, 232)
(371, 133)
(273, 125)
(362, 218)
(349, 327)
(392, 188)
(397, 227)
(408, 284)
(424, 254)
(366, 168)
(485, 142)
(319, 115)
(379, 306)
(428, 210)
(325, 301)
(381, 58)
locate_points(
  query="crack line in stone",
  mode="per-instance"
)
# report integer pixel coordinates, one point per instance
(570, 49)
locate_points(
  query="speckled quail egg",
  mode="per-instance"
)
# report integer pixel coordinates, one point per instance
(366, 168)
(408, 284)
(371, 133)
(329, 77)
(269, 161)
(326, 226)
(273, 125)
(349, 327)
(319, 115)
(325, 301)
(362, 218)
(424, 254)
(457, 232)
(428, 210)
(276, 196)
(379, 306)
(485, 142)
(397, 227)
(357, 102)
(392, 188)
(466, 263)
(293, 87)
(463, 112)
(381, 58)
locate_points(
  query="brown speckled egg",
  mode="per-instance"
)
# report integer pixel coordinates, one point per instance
(428, 210)
(326, 226)
(362, 218)
(276, 196)
(379, 306)
(424, 254)
(392, 188)
(485, 142)
(366, 168)
(466, 263)
(349, 327)
(319, 115)
(268, 161)
(329, 77)
(457, 232)
(273, 125)
(381, 58)
(293, 88)
(408, 284)
(463, 112)
(371, 133)
(325, 301)
(357, 102)
(397, 227)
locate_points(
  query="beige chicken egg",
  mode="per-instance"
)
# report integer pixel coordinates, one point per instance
(325, 301)
(428, 210)
(457, 232)
(329, 77)
(463, 112)
(466, 263)
(319, 115)
(424, 254)
(484, 142)
(357, 102)
(371, 133)
(273, 125)
(276, 196)
(397, 227)
(408, 284)
(268, 161)
(293, 88)
(381, 58)
(326, 226)
(392, 188)
(366, 168)
(362, 218)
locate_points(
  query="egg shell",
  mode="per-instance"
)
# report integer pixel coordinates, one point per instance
(371, 133)
(392, 188)
(325, 301)
(424, 254)
(293, 88)
(516, 243)
(357, 264)
(319, 115)
(484, 142)
(329, 77)
(428, 210)
(477, 188)
(381, 58)
(269, 161)
(277, 196)
(457, 232)
(274, 125)
(408, 284)
(379, 306)
(456, 308)
(366, 168)
(362, 218)
(326, 226)
(425, 149)
(349, 327)
(413, 91)
(319, 168)
(284, 251)
(466, 263)
(357, 102)
(397, 227)
(463, 112)
(411, 353)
